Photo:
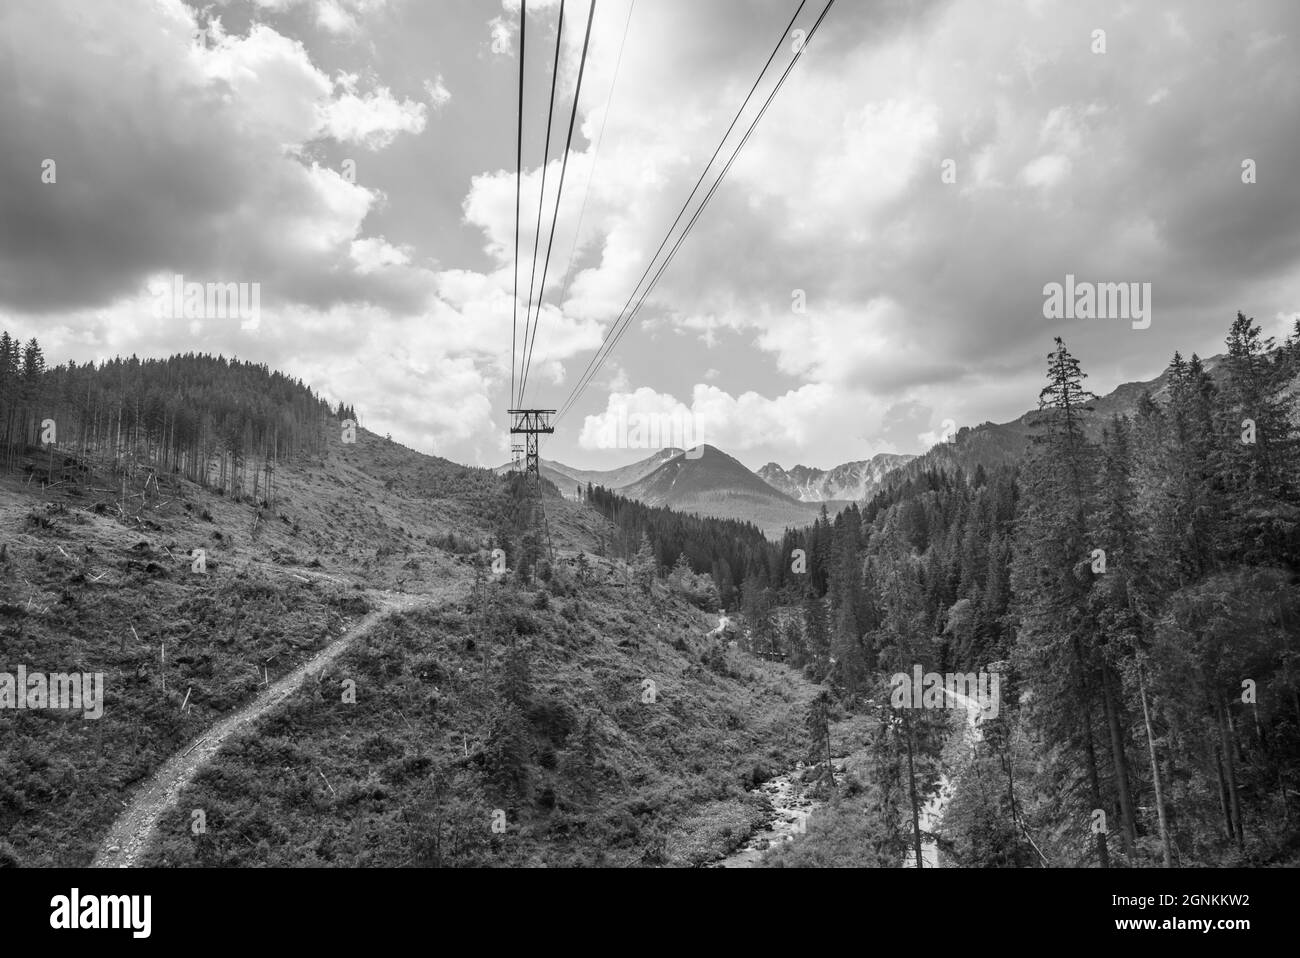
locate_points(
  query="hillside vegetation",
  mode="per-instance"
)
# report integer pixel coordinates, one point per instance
(523, 695)
(542, 683)
(519, 727)
(1134, 581)
(97, 574)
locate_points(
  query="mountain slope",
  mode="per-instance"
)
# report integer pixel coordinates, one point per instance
(618, 477)
(993, 444)
(567, 478)
(562, 481)
(715, 484)
(107, 581)
(581, 770)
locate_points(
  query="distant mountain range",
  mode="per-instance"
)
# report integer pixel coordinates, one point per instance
(567, 478)
(850, 481)
(715, 484)
(712, 483)
(613, 478)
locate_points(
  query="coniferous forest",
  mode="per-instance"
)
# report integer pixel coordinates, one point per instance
(221, 423)
(1133, 582)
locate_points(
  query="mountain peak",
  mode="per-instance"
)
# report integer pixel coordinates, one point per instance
(709, 481)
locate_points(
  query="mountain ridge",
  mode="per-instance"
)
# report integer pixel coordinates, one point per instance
(854, 480)
(991, 444)
(566, 477)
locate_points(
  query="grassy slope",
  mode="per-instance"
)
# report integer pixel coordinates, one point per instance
(665, 782)
(404, 775)
(95, 590)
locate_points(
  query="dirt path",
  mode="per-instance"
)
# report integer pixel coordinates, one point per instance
(125, 841)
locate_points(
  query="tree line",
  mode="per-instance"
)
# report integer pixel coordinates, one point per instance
(222, 423)
(728, 550)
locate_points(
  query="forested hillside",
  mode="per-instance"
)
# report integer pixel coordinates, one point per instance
(569, 718)
(521, 690)
(728, 550)
(1133, 582)
(212, 420)
(1137, 594)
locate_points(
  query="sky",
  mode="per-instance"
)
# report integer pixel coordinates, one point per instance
(874, 265)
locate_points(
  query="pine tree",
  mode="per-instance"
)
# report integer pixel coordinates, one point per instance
(644, 566)
(816, 636)
(1052, 575)
(817, 721)
(1261, 451)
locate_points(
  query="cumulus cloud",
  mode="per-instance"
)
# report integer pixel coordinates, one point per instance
(336, 17)
(735, 423)
(223, 160)
(373, 120)
(374, 252)
(923, 297)
(920, 288)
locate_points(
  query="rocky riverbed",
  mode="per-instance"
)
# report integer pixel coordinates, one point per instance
(791, 808)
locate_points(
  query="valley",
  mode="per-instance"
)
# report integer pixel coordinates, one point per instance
(444, 444)
(229, 683)
(358, 655)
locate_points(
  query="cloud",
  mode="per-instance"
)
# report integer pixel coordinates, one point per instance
(735, 423)
(924, 302)
(374, 252)
(217, 152)
(336, 17)
(502, 41)
(332, 17)
(373, 120)
(941, 433)
(1044, 172)
(437, 92)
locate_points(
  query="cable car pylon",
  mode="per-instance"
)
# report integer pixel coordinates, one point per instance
(532, 423)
